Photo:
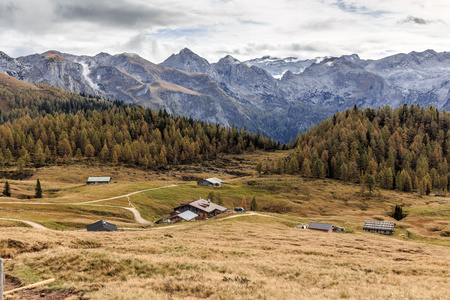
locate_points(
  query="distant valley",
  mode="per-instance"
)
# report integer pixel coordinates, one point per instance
(275, 97)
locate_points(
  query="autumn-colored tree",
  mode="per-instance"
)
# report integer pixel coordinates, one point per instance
(104, 153)
(318, 169)
(259, 168)
(89, 151)
(244, 203)
(293, 165)
(306, 168)
(387, 178)
(404, 181)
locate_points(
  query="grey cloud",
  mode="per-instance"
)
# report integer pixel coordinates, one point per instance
(7, 11)
(415, 20)
(26, 16)
(359, 9)
(136, 42)
(117, 13)
(324, 24)
(306, 47)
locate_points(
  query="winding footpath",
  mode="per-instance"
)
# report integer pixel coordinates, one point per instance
(137, 216)
(32, 224)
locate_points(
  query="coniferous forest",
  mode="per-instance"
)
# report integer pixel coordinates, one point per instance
(405, 149)
(40, 128)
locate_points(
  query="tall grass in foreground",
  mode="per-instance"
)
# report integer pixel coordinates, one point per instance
(242, 258)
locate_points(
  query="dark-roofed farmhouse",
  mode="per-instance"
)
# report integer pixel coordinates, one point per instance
(98, 180)
(203, 208)
(102, 226)
(379, 227)
(321, 226)
(214, 181)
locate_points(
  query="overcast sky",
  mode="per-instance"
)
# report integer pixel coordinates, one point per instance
(245, 29)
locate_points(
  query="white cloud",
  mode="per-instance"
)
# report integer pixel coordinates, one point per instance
(213, 28)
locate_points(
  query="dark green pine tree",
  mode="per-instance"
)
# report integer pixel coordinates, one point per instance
(7, 190)
(38, 190)
(398, 213)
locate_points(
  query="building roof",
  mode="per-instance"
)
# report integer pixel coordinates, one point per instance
(320, 226)
(101, 226)
(204, 205)
(98, 179)
(377, 225)
(187, 215)
(214, 180)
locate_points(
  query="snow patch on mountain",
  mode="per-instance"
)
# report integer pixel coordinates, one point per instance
(85, 72)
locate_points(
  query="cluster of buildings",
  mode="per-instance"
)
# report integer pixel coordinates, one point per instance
(194, 210)
(205, 209)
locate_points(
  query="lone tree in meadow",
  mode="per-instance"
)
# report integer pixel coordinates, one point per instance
(398, 213)
(38, 190)
(369, 181)
(7, 190)
(253, 204)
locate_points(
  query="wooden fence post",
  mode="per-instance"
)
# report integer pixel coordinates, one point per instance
(1, 278)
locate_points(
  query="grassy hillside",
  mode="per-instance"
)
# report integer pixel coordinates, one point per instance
(327, 200)
(241, 258)
(247, 257)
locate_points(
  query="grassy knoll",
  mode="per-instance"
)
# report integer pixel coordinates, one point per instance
(242, 258)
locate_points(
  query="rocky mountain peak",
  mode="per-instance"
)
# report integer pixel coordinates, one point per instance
(187, 52)
(53, 55)
(229, 60)
(5, 56)
(188, 61)
(102, 55)
(351, 57)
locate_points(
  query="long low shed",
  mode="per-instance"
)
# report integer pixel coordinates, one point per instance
(386, 228)
(321, 226)
(98, 180)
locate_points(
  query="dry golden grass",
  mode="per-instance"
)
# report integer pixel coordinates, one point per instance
(249, 257)
(243, 258)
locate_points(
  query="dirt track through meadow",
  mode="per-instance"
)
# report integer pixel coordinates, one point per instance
(137, 216)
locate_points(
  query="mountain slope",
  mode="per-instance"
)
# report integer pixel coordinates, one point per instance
(48, 125)
(246, 94)
(405, 149)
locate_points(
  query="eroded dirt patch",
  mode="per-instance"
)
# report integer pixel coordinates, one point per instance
(12, 282)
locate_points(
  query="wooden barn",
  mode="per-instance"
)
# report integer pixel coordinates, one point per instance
(214, 181)
(321, 227)
(204, 208)
(102, 226)
(379, 227)
(98, 180)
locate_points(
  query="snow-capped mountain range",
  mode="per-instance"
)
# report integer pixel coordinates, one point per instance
(278, 66)
(277, 97)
